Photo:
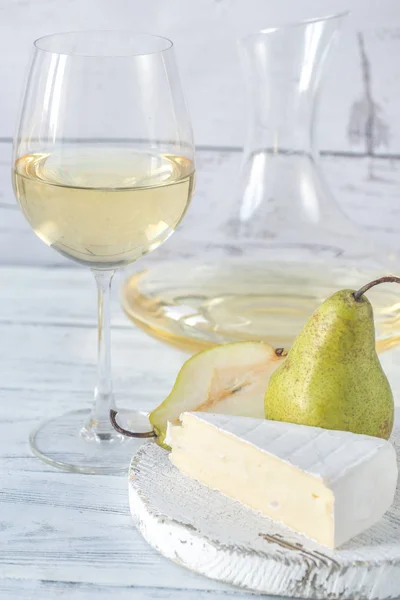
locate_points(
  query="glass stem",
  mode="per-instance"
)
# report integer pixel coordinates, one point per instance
(99, 426)
(103, 394)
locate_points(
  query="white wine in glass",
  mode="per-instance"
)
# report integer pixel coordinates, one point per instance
(141, 200)
(103, 172)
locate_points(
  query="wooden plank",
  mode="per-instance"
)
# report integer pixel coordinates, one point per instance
(48, 590)
(58, 526)
(46, 358)
(32, 295)
(204, 34)
(67, 527)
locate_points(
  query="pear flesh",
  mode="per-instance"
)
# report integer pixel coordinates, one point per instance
(332, 377)
(228, 379)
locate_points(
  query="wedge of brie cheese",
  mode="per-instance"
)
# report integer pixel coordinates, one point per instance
(327, 485)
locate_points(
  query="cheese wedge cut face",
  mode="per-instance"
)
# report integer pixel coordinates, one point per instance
(327, 485)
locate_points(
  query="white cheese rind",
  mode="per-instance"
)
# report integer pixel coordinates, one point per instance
(323, 453)
(348, 480)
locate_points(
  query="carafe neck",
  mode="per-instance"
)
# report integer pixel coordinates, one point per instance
(282, 68)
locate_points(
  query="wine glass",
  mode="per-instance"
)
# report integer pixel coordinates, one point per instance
(103, 170)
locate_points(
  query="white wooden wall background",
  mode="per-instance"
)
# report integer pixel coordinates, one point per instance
(204, 32)
(69, 536)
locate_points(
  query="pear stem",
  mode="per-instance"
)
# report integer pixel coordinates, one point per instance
(126, 432)
(386, 279)
(280, 351)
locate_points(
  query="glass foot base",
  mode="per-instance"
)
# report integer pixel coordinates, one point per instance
(64, 443)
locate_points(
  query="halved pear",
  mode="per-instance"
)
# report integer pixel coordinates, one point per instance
(228, 379)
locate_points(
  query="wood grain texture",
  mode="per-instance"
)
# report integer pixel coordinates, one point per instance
(218, 537)
(204, 34)
(48, 590)
(67, 535)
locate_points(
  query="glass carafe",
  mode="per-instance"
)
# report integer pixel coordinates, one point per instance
(285, 244)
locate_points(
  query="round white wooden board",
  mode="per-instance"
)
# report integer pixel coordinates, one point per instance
(210, 534)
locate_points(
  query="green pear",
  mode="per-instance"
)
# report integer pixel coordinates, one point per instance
(228, 379)
(332, 377)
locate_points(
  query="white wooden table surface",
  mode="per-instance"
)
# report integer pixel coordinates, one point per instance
(67, 535)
